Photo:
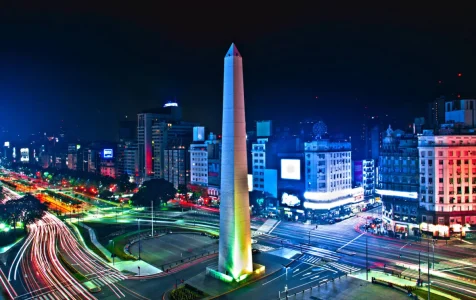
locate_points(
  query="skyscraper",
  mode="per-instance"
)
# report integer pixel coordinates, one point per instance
(235, 236)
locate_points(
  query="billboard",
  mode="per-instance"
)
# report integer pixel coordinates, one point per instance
(291, 169)
(107, 153)
(198, 134)
(6, 144)
(358, 171)
(24, 154)
(263, 128)
(250, 182)
(213, 172)
(291, 198)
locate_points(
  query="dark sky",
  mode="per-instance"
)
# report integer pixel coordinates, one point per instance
(90, 64)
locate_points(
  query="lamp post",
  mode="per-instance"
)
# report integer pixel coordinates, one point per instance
(419, 268)
(366, 258)
(138, 228)
(429, 268)
(310, 234)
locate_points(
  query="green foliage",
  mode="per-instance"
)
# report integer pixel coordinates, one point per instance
(27, 210)
(158, 190)
(185, 293)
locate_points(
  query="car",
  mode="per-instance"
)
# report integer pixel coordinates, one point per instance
(255, 251)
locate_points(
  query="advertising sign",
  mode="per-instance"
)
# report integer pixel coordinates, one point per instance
(107, 153)
(291, 169)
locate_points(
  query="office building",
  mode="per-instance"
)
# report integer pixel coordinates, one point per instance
(448, 179)
(398, 183)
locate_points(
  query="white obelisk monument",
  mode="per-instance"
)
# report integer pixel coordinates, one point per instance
(235, 236)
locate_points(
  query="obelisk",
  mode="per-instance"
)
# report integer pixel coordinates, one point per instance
(235, 236)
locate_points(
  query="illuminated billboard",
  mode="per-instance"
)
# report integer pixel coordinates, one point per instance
(250, 182)
(198, 133)
(6, 144)
(291, 169)
(24, 154)
(107, 153)
(290, 199)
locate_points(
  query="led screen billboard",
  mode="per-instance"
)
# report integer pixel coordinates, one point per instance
(290, 199)
(291, 169)
(107, 153)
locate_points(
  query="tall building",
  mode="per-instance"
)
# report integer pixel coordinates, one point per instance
(436, 112)
(364, 176)
(398, 183)
(177, 164)
(127, 137)
(205, 164)
(328, 166)
(131, 158)
(148, 125)
(234, 257)
(448, 179)
(461, 111)
(165, 134)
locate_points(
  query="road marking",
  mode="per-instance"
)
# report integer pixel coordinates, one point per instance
(274, 227)
(274, 279)
(351, 241)
(302, 271)
(405, 245)
(467, 242)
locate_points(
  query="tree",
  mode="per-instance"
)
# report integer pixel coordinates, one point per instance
(182, 189)
(27, 210)
(154, 190)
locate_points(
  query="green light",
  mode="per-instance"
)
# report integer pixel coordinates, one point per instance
(2, 226)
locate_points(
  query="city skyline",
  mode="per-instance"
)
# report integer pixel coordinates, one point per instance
(88, 75)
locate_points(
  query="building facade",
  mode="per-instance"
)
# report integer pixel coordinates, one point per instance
(398, 183)
(205, 165)
(364, 176)
(177, 165)
(448, 179)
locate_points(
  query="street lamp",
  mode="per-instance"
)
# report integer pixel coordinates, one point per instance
(310, 234)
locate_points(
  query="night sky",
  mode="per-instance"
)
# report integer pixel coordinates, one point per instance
(89, 65)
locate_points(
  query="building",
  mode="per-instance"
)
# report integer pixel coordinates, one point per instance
(177, 165)
(148, 125)
(398, 183)
(127, 137)
(328, 166)
(205, 164)
(165, 135)
(436, 112)
(461, 111)
(448, 178)
(364, 176)
(131, 159)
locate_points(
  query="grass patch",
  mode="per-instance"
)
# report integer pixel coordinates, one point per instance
(121, 241)
(186, 292)
(424, 294)
(80, 277)
(87, 240)
(452, 293)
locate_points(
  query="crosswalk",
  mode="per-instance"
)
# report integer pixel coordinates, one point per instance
(107, 280)
(310, 259)
(343, 267)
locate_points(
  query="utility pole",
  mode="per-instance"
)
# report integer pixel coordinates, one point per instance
(152, 207)
(429, 281)
(366, 258)
(138, 224)
(419, 268)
